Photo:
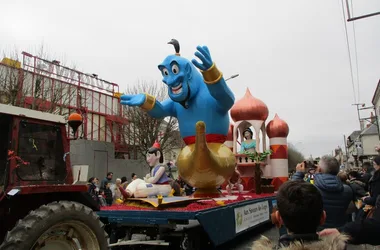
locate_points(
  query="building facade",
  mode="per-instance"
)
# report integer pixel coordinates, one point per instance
(102, 145)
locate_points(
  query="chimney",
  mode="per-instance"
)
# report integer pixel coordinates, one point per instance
(361, 125)
(373, 118)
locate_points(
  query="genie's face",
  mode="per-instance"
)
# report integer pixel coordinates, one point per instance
(177, 74)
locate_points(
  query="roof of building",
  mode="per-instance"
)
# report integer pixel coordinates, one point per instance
(371, 130)
(376, 95)
(29, 113)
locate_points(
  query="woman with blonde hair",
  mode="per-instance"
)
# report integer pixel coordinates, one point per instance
(118, 194)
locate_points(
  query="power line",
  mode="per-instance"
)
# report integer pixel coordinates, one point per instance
(349, 51)
(356, 53)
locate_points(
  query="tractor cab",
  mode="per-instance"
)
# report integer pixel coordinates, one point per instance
(34, 149)
(36, 175)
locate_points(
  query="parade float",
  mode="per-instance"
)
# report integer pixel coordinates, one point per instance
(201, 101)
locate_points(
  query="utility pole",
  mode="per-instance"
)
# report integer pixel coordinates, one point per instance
(358, 110)
(345, 145)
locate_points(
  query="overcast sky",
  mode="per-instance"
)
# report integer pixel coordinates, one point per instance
(291, 54)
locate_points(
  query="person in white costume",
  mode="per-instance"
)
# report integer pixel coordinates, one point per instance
(155, 183)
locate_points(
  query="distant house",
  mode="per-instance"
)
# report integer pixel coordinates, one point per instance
(362, 143)
(351, 139)
(376, 103)
(369, 138)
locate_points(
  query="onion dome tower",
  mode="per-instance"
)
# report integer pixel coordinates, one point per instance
(246, 112)
(278, 131)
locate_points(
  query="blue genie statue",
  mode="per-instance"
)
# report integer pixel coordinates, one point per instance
(200, 100)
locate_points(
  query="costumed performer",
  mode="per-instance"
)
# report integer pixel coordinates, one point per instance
(249, 144)
(155, 183)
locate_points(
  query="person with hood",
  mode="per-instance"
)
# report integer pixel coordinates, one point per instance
(364, 231)
(300, 210)
(336, 195)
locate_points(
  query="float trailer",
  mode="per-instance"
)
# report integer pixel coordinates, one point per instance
(40, 208)
(179, 228)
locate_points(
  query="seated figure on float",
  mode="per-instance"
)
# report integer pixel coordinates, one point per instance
(235, 182)
(249, 144)
(155, 183)
(200, 101)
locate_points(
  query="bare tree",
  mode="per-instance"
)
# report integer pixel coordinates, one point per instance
(20, 87)
(144, 130)
(294, 157)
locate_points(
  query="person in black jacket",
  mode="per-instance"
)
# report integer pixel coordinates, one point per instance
(374, 184)
(336, 195)
(364, 231)
(357, 185)
(366, 176)
(108, 193)
(92, 188)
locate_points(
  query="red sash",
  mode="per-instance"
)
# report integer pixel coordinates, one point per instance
(164, 183)
(210, 138)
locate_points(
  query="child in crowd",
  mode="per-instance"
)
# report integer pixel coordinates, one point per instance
(300, 210)
(101, 199)
(108, 193)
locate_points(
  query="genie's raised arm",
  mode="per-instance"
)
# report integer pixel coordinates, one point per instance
(149, 103)
(214, 79)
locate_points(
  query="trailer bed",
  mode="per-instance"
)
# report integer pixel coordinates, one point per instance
(222, 220)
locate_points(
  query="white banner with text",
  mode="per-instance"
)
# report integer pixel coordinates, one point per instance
(251, 215)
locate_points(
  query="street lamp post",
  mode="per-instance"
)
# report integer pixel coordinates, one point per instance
(231, 77)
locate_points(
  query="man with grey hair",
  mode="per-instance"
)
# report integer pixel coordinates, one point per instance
(329, 165)
(336, 195)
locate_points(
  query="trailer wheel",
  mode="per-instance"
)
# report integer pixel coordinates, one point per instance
(59, 225)
(190, 241)
(185, 244)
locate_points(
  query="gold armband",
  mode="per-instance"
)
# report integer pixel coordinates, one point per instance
(212, 75)
(149, 103)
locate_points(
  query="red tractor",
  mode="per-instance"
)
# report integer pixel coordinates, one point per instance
(40, 206)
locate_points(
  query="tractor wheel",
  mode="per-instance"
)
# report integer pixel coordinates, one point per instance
(60, 225)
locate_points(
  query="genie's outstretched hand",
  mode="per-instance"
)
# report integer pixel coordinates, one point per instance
(204, 55)
(133, 100)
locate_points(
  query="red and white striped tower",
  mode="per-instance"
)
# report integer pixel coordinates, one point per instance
(277, 131)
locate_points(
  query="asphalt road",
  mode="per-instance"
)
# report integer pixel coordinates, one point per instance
(244, 242)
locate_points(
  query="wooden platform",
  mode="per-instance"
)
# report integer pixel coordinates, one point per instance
(166, 201)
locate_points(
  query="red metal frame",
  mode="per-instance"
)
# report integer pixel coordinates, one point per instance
(93, 97)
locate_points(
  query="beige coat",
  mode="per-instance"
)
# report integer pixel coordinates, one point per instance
(331, 242)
